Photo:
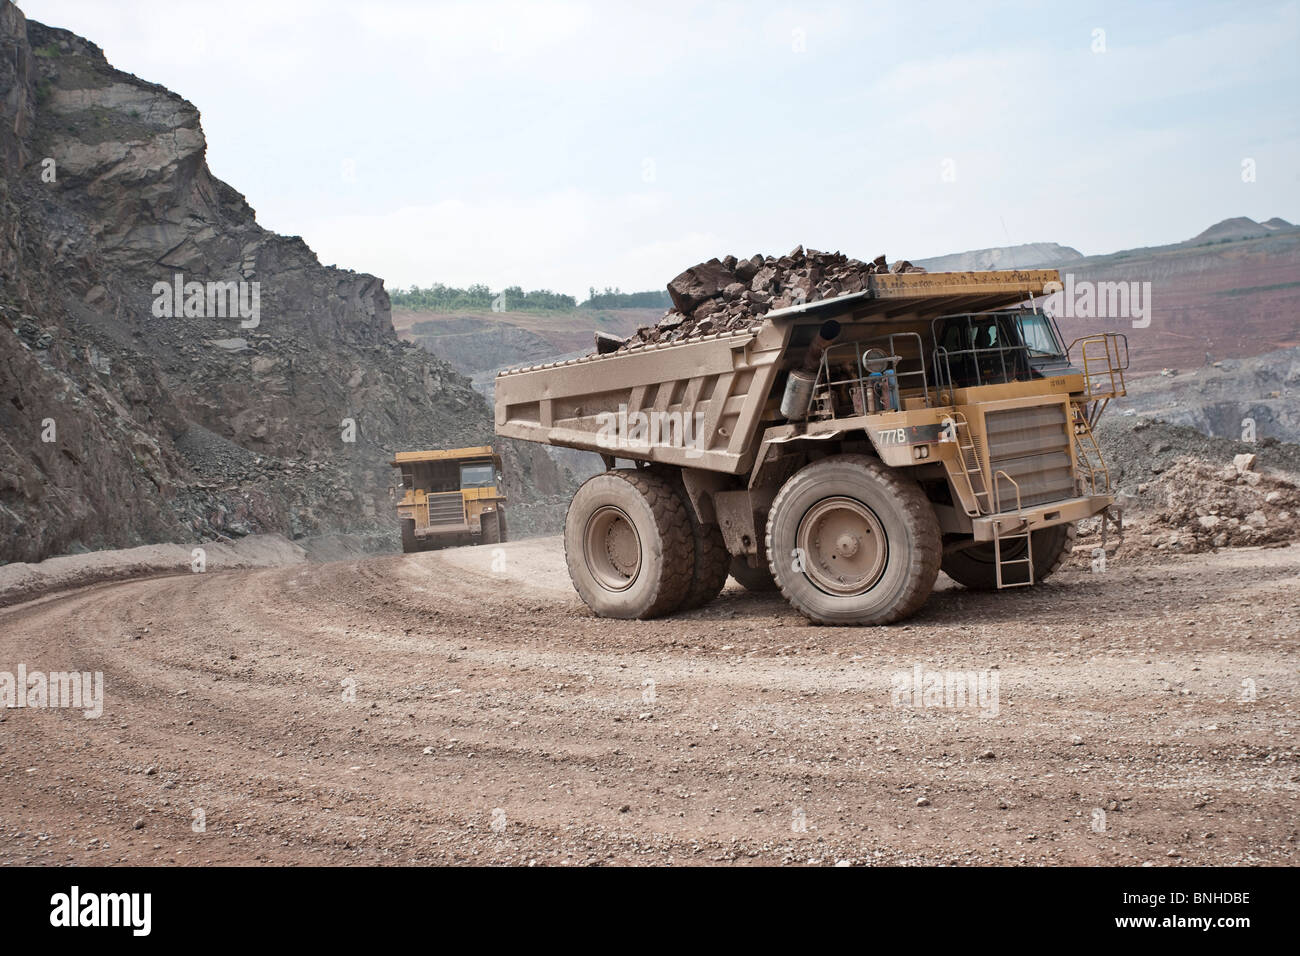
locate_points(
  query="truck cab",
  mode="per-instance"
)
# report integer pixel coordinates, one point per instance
(998, 347)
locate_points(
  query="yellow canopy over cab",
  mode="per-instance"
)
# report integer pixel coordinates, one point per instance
(448, 454)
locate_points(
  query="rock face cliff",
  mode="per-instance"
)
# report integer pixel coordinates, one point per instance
(268, 396)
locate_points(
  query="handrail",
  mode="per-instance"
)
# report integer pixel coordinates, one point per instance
(1118, 337)
(1100, 371)
(1083, 438)
(1022, 530)
(997, 489)
(968, 469)
(825, 383)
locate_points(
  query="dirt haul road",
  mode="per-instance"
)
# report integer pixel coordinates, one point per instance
(463, 706)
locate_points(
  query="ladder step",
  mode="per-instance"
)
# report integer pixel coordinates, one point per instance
(1025, 533)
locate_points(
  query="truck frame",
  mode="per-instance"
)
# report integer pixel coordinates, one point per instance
(450, 497)
(842, 450)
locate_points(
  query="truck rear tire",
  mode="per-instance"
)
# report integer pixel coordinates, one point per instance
(850, 541)
(629, 546)
(712, 562)
(757, 579)
(409, 542)
(974, 567)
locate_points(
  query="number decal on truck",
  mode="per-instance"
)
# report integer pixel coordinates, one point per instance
(908, 435)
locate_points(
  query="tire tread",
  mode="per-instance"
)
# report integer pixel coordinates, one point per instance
(924, 558)
(673, 527)
(712, 563)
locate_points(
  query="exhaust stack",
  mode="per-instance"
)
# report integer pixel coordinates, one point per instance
(799, 385)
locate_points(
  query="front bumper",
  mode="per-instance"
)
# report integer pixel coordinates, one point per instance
(1040, 516)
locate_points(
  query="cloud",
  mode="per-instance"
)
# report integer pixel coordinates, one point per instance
(565, 241)
(505, 142)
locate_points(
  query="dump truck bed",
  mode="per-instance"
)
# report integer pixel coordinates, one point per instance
(717, 388)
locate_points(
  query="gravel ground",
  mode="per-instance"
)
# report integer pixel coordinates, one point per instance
(463, 706)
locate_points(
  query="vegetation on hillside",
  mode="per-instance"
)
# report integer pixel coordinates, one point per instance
(478, 297)
(614, 299)
(443, 298)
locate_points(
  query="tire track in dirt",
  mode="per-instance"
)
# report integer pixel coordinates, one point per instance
(734, 732)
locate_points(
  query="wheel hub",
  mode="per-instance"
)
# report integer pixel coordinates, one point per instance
(843, 546)
(613, 549)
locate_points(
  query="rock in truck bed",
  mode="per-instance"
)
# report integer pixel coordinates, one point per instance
(729, 293)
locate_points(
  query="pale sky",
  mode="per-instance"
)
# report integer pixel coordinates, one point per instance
(565, 145)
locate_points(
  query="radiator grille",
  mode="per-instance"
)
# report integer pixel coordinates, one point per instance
(446, 509)
(1032, 445)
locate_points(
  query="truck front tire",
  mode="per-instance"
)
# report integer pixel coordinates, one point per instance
(975, 569)
(492, 526)
(757, 579)
(629, 545)
(409, 542)
(850, 541)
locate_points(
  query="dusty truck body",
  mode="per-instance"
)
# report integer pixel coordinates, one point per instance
(842, 451)
(450, 497)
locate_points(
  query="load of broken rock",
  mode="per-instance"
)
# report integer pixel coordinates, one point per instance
(726, 294)
(1201, 506)
(1195, 506)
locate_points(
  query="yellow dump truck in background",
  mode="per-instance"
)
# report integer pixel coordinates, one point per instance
(451, 497)
(842, 451)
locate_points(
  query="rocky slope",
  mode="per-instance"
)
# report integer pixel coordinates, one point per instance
(1184, 491)
(1226, 399)
(1241, 227)
(120, 425)
(482, 343)
(1231, 292)
(1198, 507)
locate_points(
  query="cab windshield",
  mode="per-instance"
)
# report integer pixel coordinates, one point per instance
(1039, 337)
(477, 476)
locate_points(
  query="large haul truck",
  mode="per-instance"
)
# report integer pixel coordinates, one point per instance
(450, 497)
(842, 451)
